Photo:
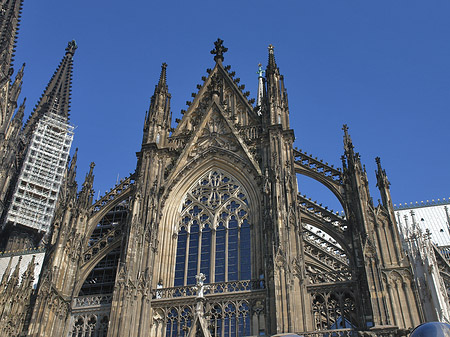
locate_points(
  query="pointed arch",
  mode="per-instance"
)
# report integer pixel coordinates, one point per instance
(182, 185)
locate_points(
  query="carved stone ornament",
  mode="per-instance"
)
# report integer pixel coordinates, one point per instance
(215, 134)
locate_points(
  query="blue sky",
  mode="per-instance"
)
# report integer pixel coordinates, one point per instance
(382, 67)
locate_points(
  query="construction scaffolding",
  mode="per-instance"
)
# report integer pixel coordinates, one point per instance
(37, 189)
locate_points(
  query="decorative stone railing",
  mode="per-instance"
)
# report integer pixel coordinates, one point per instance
(115, 193)
(330, 333)
(212, 288)
(344, 275)
(314, 164)
(90, 301)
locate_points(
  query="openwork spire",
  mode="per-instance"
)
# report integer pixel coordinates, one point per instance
(162, 84)
(9, 25)
(56, 96)
(219, 50)
(271, 64)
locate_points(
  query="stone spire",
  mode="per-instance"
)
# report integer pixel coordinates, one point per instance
(15, 276)
(9, 25)
(5, 277)
(383, 184)
(16, 87)
(87, 192)
(276, 93)
(56, 96)
(72, 173)
(28, 276)
(158, 119)
(9, 22)
(162, 83)
(348, 145)
(272, 64)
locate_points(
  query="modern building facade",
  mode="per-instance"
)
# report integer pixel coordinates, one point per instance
(209, 236)
(425, 232)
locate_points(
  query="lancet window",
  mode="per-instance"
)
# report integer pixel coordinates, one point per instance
(334, 310)
(90, 325)
(230, 318)
(214, 231)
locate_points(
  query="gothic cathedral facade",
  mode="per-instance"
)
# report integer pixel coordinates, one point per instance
(210, 237)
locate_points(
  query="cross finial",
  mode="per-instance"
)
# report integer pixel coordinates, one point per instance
(260, 71)
(345, 128)
(218, 50)
(71, 47)
(271, 48)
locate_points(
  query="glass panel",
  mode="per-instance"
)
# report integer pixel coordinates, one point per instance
(180, 261)
(216, 204)
(220, 254)
(193, 254)
(246, 272)
(206, 253)
(233, 250)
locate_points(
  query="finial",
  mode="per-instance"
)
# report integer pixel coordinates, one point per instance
(71, 47)
(271, 48)
(260, 71)
(345, 128)
(377, 160)
(219, 50)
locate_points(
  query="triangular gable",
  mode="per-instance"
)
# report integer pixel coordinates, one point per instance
(236, 105)
(199, 328)
(215, 130)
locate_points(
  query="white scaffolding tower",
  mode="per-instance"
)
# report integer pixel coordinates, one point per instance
(34, 199)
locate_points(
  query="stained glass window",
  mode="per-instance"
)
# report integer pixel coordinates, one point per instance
(214, 231)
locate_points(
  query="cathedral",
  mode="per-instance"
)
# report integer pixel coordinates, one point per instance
(208, 237)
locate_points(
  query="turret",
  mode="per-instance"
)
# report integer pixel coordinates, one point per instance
(158, 118)
(56, 96)
(276, 94)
